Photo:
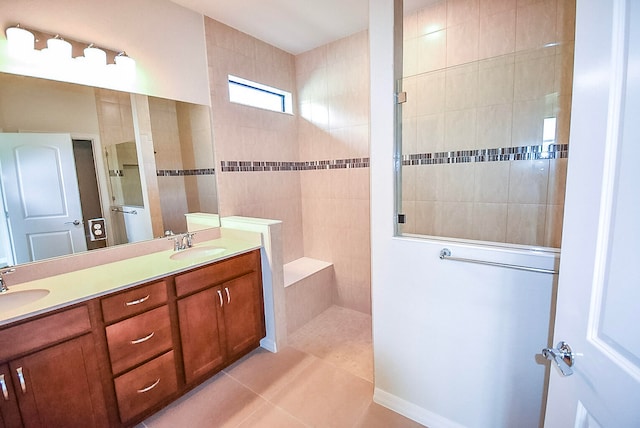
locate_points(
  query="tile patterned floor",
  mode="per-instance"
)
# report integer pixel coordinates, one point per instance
(324, 378)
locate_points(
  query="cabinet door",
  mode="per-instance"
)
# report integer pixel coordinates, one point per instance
(199, 320)
(60, 386)
(243, 314)
(9, 413)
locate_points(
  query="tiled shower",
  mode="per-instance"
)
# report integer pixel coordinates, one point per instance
(310, 169)
(485, 127)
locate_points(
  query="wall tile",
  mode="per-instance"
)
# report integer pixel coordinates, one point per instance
(534, 74)
(489, 222)
(494, 126)
(461, 87)
(432, 18)
(496, 81)
(492, 182)
(566, 23)
(462, 42)
(536, 25)
(557, 181)
(526, 224)
(553, 226)
(455, 182)
(429, 134)
(432, 51)
(459, 11)
(490, 7)
(429, 93)
(460, 130)
(528, 181)
(454, 219)
(497, 34)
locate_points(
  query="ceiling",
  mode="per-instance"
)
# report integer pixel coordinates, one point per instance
(294, 26)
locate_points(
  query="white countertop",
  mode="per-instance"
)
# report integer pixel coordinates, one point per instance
(85, 284)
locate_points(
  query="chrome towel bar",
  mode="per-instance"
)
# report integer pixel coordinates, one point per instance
(445, 254)
(120, 210)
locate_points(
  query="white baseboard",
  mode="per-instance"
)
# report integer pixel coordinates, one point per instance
(412, 411)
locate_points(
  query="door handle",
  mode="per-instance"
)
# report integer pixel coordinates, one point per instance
(562, 356)
(74, 222)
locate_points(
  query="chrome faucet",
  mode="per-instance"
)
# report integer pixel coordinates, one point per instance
(3, 284)
(183, 242)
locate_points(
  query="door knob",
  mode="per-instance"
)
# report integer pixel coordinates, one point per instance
(562, 356)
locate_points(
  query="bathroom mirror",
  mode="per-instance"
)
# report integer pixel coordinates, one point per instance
(139, 165)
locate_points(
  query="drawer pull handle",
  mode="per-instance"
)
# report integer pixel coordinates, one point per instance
(137, 302)
(226, 289)
(23, 385)
(143, 339)
(220, 296)
(3, 384)
(150, 387)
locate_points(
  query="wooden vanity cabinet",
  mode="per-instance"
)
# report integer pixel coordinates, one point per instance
(220, 314)
(51, 373)
(114, 360)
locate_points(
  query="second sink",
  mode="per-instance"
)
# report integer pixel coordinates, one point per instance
(197, 252)
(14, 299)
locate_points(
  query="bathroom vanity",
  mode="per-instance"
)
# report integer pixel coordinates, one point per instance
(109, 357)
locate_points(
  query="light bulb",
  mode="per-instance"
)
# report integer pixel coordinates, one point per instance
(59, 49)
(20, 41)
(95, 56)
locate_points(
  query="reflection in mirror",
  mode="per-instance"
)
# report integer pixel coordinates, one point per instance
(140, 164)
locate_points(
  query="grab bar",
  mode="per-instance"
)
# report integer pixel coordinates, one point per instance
(445, 254)
(120, 210)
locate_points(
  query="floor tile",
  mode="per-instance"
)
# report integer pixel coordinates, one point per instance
(340, 336)
(265, 373)
(269, 416)
(219, 402)
(323, 395)
(377, 416)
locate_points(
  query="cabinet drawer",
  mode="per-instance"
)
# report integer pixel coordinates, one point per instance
(146, 386)
(134, 301)
(40, 332)
(217, 273)
(138, 338)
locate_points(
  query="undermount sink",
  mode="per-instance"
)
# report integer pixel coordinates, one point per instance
(15, 299)
(197, 252)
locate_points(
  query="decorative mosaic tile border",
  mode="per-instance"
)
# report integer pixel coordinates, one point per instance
(183, 172)
(552, 151)
(251, 166)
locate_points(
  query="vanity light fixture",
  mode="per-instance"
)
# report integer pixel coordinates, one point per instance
(39, 48)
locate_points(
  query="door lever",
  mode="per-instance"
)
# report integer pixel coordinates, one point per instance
(74, 222)
(563, 357)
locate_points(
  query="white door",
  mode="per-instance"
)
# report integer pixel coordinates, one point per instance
(598, 310)
(42, 199)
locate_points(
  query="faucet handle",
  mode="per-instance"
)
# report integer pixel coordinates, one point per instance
(3, 285)
(189, 236)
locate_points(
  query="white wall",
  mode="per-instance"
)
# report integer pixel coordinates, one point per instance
(455, 344)
(166, 40)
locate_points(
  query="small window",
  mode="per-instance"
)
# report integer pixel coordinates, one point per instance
(243, 91)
